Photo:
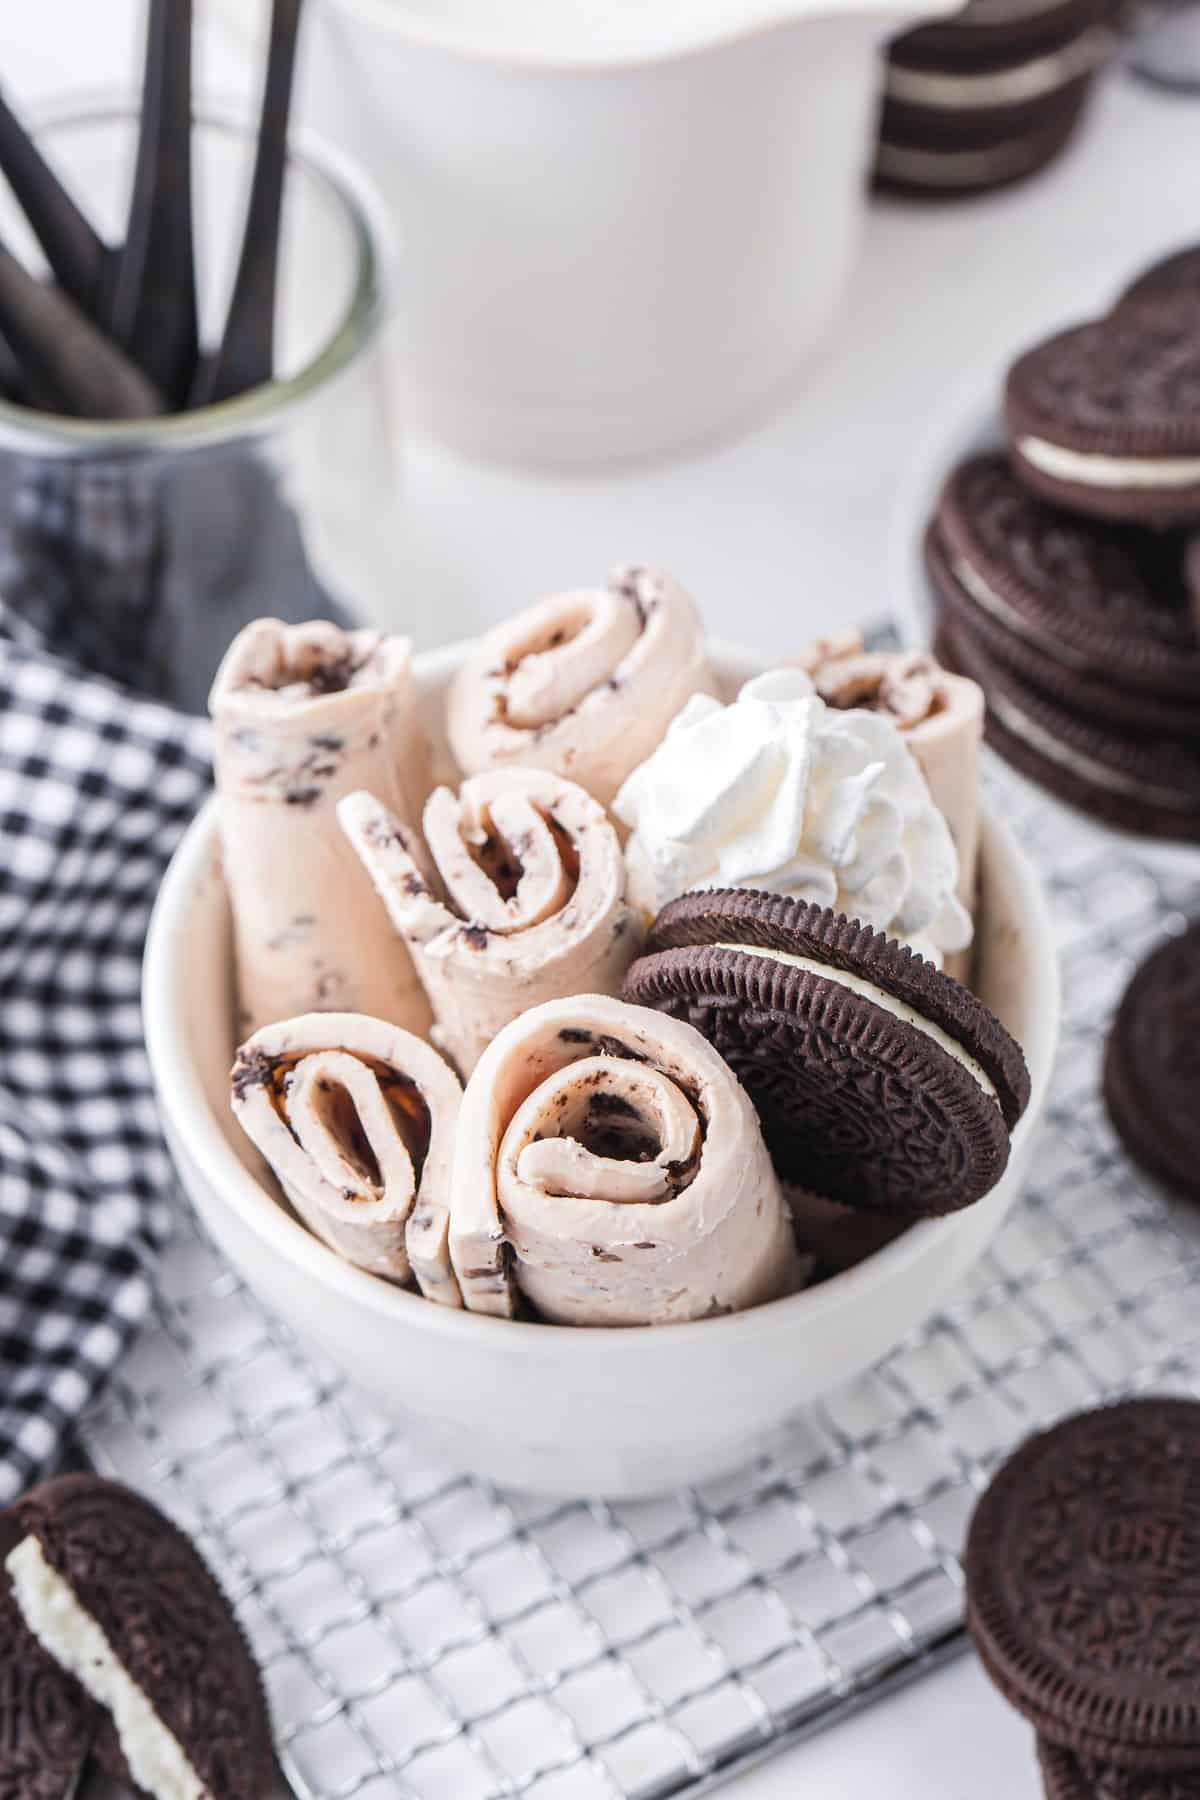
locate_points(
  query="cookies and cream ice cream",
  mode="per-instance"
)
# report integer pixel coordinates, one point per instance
(304, 714)
(357, 1118)
(939, 715)
(583, 684)
(516, 895)
(610, 1168)
(783, 793)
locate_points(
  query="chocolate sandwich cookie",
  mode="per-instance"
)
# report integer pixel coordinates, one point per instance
(1105, 419)
(944, 160)
(47, 1722)
(996, 29)
(1175, 274)
(121, 1600)
(1151, 1075)
(1083, 1584)
(1094, 612)
(879, 1081)
(983, 80)
(1066, 1776)
(1141, 783)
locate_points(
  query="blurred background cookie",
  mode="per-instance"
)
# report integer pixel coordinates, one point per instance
(1104, 418)
(1097, 615)
(987, 97)
(1150, 1065)
(1148, 783)
(1178, 273)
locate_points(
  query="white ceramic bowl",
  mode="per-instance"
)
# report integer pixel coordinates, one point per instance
(606, 1412)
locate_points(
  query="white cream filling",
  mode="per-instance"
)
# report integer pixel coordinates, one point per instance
(1000, 87)
(953, 168)
(1091, 469)
(1098, 773)
(157, 1761)
(878, 997)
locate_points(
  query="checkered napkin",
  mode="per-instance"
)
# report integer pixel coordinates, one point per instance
(97, 781)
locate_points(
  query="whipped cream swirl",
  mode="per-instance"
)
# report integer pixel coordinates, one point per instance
(781, 792)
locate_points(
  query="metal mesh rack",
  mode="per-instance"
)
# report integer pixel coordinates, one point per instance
(426, 1636)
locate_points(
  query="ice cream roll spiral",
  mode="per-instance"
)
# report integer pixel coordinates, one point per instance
(583, 683)
(610, 1169)
(357, 1118)
(304, 714)
(515, 896)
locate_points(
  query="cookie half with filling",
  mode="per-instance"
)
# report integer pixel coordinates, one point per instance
(122, 1601)
(879, 1081)
(1103, 418)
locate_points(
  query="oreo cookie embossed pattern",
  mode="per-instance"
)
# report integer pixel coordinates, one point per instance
(879, 1081)
(1066, 570)
(1083, 1596)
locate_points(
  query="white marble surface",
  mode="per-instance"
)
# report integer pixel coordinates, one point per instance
(779, 534)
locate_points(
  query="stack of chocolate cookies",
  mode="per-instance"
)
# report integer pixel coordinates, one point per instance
(1066, 567)
(1083, 1598)
(988, 96)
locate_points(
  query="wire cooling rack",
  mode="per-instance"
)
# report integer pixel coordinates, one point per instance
(426, 1636)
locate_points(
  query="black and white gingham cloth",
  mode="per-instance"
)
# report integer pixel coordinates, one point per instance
(97, 781)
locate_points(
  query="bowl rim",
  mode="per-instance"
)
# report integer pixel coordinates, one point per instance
(192, 1122)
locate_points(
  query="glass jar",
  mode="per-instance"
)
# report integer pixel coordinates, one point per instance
(142, 546)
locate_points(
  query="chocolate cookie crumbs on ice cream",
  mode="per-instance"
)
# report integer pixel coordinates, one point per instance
(515, 895)
(304, 714)
(610, 1171)
(583, 684)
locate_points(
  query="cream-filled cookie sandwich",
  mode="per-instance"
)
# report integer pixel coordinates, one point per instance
(880, 1082)
(124, 1605)
(516, 895)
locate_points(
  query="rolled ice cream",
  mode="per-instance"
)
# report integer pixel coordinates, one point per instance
(583, 684)
(516, 895)
(357, 1118)
(610, 1169)
(303, 715)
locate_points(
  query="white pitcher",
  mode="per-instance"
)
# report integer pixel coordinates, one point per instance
(626, 222)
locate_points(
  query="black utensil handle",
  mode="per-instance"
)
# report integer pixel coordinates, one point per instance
(79, 257)
(63, 353)
(246, 356)
(154, 299)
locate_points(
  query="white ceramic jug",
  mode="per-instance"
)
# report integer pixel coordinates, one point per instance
(626, 222)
